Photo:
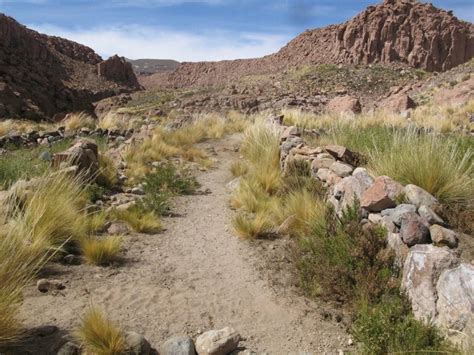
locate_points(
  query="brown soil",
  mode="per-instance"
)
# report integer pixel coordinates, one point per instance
(195, 276)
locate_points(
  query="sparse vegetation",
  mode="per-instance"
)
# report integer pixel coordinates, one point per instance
(101, 251)
(99, 335)
(78, 120)
(139, 221)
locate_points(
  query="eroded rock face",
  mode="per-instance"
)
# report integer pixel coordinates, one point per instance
(119, 70)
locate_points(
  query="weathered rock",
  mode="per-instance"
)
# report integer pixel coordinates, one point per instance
(118, 228)
(69, 348)
(137, 344)
(119, 70)
(341, 153)
(397, 103)
(429, 215)
(344, 104)
(180, 345)
(417, 196)
(322, 161)
(84, 154)
(401, 250)
(422, 268)
(363, 176)
(397, 213)
(381, 195)
(341, 169)
(322, 174)
(414, 230)
(217, 342)
(455, 291)
(443, 237)
(291, 131)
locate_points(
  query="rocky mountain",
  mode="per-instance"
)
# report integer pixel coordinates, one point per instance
(152, 66)
(402, 32)
(44, 77)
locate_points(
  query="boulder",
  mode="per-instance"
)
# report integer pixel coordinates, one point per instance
(322, 161)
(421, 271)
(455, 290)
(443, 237)
(84, 154)
(217, 342)
(137, 344)
(417, 196)
(397, 103)
(322, 174)
(414, 230)
(341, 153)
(381, 195)
(429, 215)
(118, 228)
(179, 345)
(397, 213)
(341, 169)
(291, 131)
(344, 104)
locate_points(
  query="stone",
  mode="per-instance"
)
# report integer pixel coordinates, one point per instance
(291, 131)
(443, 236)
(119, 70)
(137, 191)
(179, 345)
(421, 271)
(322, 161)
(126, 206)
(118, 228)
(71, 259)
(69, 348)
(429, 215)
(365, 179)
(137, 344)
(455, 290)
(217, 342)
(348, 190)
(46, 156)
(344, 104)
(233, 185)
(417, 196)
(341, 153)
(84, 154)
(341, 169)
(322, 174)
(397, 213)
(394, 242)
(44, 285)
(414, 230)
(381, 195)
(375, 218)
(397, 103)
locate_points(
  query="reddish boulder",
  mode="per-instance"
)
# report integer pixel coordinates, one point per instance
(414, 230)
(381, 195)
(344, 104)
(397, 103)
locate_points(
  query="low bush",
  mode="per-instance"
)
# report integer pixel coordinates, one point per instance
(250, 226)
(78, 120)
(388, 327)
(99, 335)
(101, 251)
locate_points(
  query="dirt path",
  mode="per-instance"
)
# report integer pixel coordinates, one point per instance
(193, 277)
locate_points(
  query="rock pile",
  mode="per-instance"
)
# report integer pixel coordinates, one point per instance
(439, 285)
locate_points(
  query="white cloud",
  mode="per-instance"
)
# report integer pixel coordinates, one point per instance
(135, 41)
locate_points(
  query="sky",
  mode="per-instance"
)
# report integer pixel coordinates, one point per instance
(190, 30)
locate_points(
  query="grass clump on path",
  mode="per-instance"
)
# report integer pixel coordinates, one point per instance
(101, 251)
(99, 335)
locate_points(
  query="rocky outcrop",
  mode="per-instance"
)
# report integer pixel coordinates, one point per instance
(402, 32)
(31, 62)
(119, 70)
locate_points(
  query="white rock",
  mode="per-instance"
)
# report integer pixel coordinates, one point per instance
(217, 342)
(417, 196)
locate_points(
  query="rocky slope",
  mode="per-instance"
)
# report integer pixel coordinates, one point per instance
(403, 32)
(42, 76)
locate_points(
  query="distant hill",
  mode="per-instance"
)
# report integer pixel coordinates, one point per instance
(152, 66)
(400, 32)
(45, 77)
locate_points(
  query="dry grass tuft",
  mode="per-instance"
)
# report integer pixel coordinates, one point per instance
(139, 221)
(99, 335)
(101, 251)
(239, 168)
(78, 120)
(252, 226)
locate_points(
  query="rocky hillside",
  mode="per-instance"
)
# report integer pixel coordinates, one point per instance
(43, 77)
(402, 32)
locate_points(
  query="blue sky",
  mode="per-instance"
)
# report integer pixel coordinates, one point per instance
(190, 30)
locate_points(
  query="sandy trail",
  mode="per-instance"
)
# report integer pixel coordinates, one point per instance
(193, 277)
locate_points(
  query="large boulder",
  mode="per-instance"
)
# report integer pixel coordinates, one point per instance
(397, 103)
(344, 104)
(350, 189)
(381, 195)
(455, 304)
(421, 271)
(84, 154)
(178, 345)
(217, 342)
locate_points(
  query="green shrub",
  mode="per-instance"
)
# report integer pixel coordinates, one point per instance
(388, 327)
(161, 184)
